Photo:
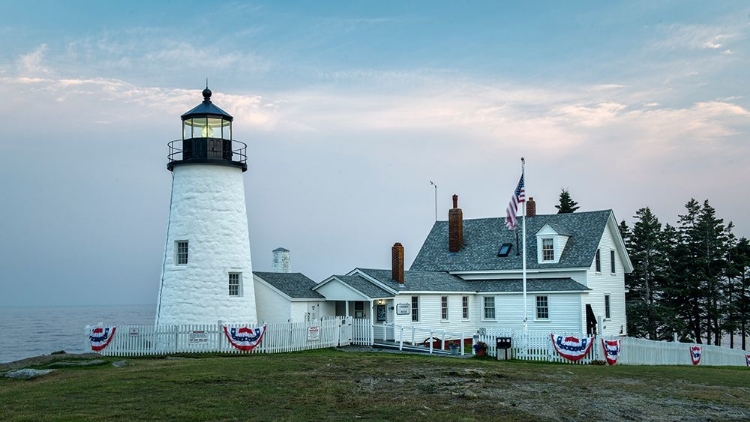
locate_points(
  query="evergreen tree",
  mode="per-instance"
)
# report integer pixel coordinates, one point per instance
(740, 261)
(567, 204)
(690, 302)
(712, 236)
(647, 314)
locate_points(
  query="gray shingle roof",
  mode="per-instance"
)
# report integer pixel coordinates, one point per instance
(430, 281)
(483, 237)
(294, 285)
(419, 281)
(364, 286)
(532, 285)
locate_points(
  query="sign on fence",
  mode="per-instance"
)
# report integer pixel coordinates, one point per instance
(313, 333)
(197, 337)
(133, 332)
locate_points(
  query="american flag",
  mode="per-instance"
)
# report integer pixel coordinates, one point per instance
(519, 196)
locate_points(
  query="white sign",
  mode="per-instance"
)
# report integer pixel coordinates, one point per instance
(403, 309)
(197, 337)
(133, 332)
(313, 333)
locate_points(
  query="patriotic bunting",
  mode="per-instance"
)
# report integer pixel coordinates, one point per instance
(244, 338)
(612, 350)
(695, 354)
(100, 337)
(572, 348)
(747, 360)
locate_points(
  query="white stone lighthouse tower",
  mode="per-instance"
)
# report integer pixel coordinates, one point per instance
(207, 275)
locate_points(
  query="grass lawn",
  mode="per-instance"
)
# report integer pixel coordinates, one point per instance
(336, 385)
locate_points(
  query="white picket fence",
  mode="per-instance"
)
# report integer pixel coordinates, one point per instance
(638, 351)
(141, 340)
(537, 346)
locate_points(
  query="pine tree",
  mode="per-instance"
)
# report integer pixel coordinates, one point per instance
(567, 204)
(690, 300)
(647, 314)
(740, 262)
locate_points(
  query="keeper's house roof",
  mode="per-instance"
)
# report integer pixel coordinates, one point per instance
(431, 281)
(294, 285)
(483, 238)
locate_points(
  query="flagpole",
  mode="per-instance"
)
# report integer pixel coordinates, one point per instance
(523, 213)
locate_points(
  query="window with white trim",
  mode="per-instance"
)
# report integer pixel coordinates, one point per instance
(181, 252)
(465, 306)
(612, 261)
(489, 307)
(548, 249)
(607, 312)
(444, 308)
(235, 284)
(415, 308)
(542, 307)
(598, 261)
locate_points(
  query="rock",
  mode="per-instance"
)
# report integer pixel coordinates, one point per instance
(25, 374)
(119, 364)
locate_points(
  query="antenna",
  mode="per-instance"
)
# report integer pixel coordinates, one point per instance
(433, 184)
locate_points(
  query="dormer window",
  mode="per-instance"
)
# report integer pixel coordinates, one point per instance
(550, 243)
(548, 249)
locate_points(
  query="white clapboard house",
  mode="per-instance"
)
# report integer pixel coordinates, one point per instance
(468, 275)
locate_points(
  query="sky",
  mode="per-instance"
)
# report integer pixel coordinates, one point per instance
(350, 110)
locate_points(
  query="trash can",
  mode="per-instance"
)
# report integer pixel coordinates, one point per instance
(503, 348)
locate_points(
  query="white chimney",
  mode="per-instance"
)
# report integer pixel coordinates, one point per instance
(281, 261)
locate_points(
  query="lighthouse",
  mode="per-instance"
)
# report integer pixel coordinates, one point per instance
(206, 273)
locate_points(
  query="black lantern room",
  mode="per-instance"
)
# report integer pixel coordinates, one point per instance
(207, 138)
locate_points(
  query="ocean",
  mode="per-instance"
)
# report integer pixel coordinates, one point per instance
(32, 331)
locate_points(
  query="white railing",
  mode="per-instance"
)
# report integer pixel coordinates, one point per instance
(140, 340)
(410, 335)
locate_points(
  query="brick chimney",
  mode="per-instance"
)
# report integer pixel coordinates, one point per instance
(530, 207)
(397, 263)
(455, 227)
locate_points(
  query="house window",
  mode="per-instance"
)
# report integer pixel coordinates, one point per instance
(444, 308)
(612, 262)
(548, 250)
(542, 307)
(465, 306)
(598, 261)
(181, 247)
(359, 310)
(234, 284)
(489, 307)
(607, 313)
(415, 308)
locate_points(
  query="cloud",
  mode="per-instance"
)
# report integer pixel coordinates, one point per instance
(31, 64)
(698, 37)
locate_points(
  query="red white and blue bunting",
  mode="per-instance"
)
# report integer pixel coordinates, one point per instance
(244, 338)
(100, 337)
(747, 360)
(612, 349)
(695, 354)
(572, 348)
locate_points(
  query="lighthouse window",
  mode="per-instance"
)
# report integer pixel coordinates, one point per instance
(182, 252)
(234, 284)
